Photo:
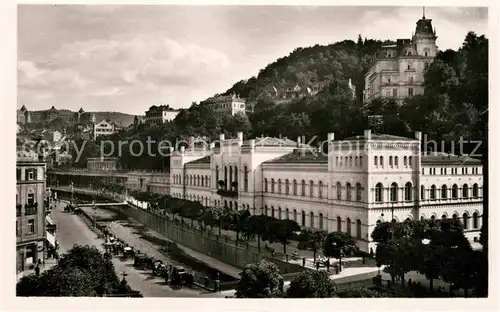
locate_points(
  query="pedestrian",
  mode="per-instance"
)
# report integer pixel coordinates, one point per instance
(317, 265)
(37, 271)
(371, 253)
(328, 265)
(303, 262)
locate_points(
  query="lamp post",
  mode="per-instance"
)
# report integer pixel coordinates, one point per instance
(72, 190)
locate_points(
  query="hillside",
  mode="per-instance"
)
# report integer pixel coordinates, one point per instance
(312, 67)
(121, 119)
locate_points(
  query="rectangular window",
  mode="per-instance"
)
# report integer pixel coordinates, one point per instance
(410, 91)
(18, 174)
(31, 198)
(17, 228)
(395, 92)
(31, 174)
(31, 227)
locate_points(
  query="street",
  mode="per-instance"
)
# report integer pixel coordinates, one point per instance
(72, 230)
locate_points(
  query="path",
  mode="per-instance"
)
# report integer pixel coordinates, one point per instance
(71, 230)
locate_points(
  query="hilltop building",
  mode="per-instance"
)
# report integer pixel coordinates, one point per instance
(160, 114)
(225, 105)
(25, 116)
(104, 127)
(398, 70)
(382, 178)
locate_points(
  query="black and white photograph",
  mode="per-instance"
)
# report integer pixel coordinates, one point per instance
(251, 151)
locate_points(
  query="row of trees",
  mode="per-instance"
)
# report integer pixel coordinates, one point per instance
(261, 227)
(83, 271)
(263, 280)
(435, 248)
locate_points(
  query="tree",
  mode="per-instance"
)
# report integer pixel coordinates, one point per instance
(312, 240)
(83, 271)
(431, 263)
(260, 280)
(281, 231)
(258, 225)
(312, 284)
(360, 292)
(337, 244)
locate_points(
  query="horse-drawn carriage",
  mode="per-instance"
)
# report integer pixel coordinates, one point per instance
(159, 268)
(69, 208)
(128, 252)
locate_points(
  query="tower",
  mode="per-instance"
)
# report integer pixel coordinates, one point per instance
(425, 37)
(80, 113)
(93, 118)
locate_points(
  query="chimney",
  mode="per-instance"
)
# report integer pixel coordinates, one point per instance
(191, 142)
(221, 138)
(368, 134)
(331, 137)
(240, 137)
(298, 142)
(418, 135)
(252, 143)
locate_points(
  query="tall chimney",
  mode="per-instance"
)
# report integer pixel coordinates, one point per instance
(368, 134)
(418, 135)
(221, 138)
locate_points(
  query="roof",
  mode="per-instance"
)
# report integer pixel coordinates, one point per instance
(270, 141)
(203, 160)
(81, 110)
(380, 137)
(444, 158)
(23, 108)
(301, 156)
(424, 27)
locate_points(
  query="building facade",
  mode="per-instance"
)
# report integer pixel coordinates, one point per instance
(30, 210)
(227, 105)
(398, 69)
(104, 127)
(160, 114)
(361, 181)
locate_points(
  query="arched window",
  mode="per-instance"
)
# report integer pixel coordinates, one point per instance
(409, 161)
(358, 192)
(287, 213)
(405, 161)
(444, 191)
(272, 212)
(230, 205)
(454, 216)
(320, 189)
(202, 181)
(303, 218)
(475, 191)
(320, 221)
(279, 213)
(311, 219)
(408, 191)
(303, 188)
(396, 161)
(422, 192)
(433, 192)
(311, 188)
(339, 224)
(245, 182)
(339, 190)
(382, 161)
(272, 185)
(216, 174)
(475, 220)
(225, 178)
(465, 191)
(378, 192)
(394, 192)
(236, 175)
(279, 186)
(348, 226)
(348, 191)
(454, 191)
(375, 160)
(295, 215)
(287, 187)
(265, 185)
(444, 217)
(465, 218)
(433, 218)
(390, 161)
(358, 229)
(230, 175)
(294, 187)
(266, 210)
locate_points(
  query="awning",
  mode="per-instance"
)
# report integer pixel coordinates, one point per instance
(51, 239)
(49, 220)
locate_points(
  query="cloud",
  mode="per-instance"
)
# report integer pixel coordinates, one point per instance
(30, 75)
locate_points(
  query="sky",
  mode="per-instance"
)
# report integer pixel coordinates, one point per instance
(127, 58)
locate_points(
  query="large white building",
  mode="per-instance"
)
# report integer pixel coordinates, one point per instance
(160, 114)
(227, 105)
(361, 181)
(398, 70)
